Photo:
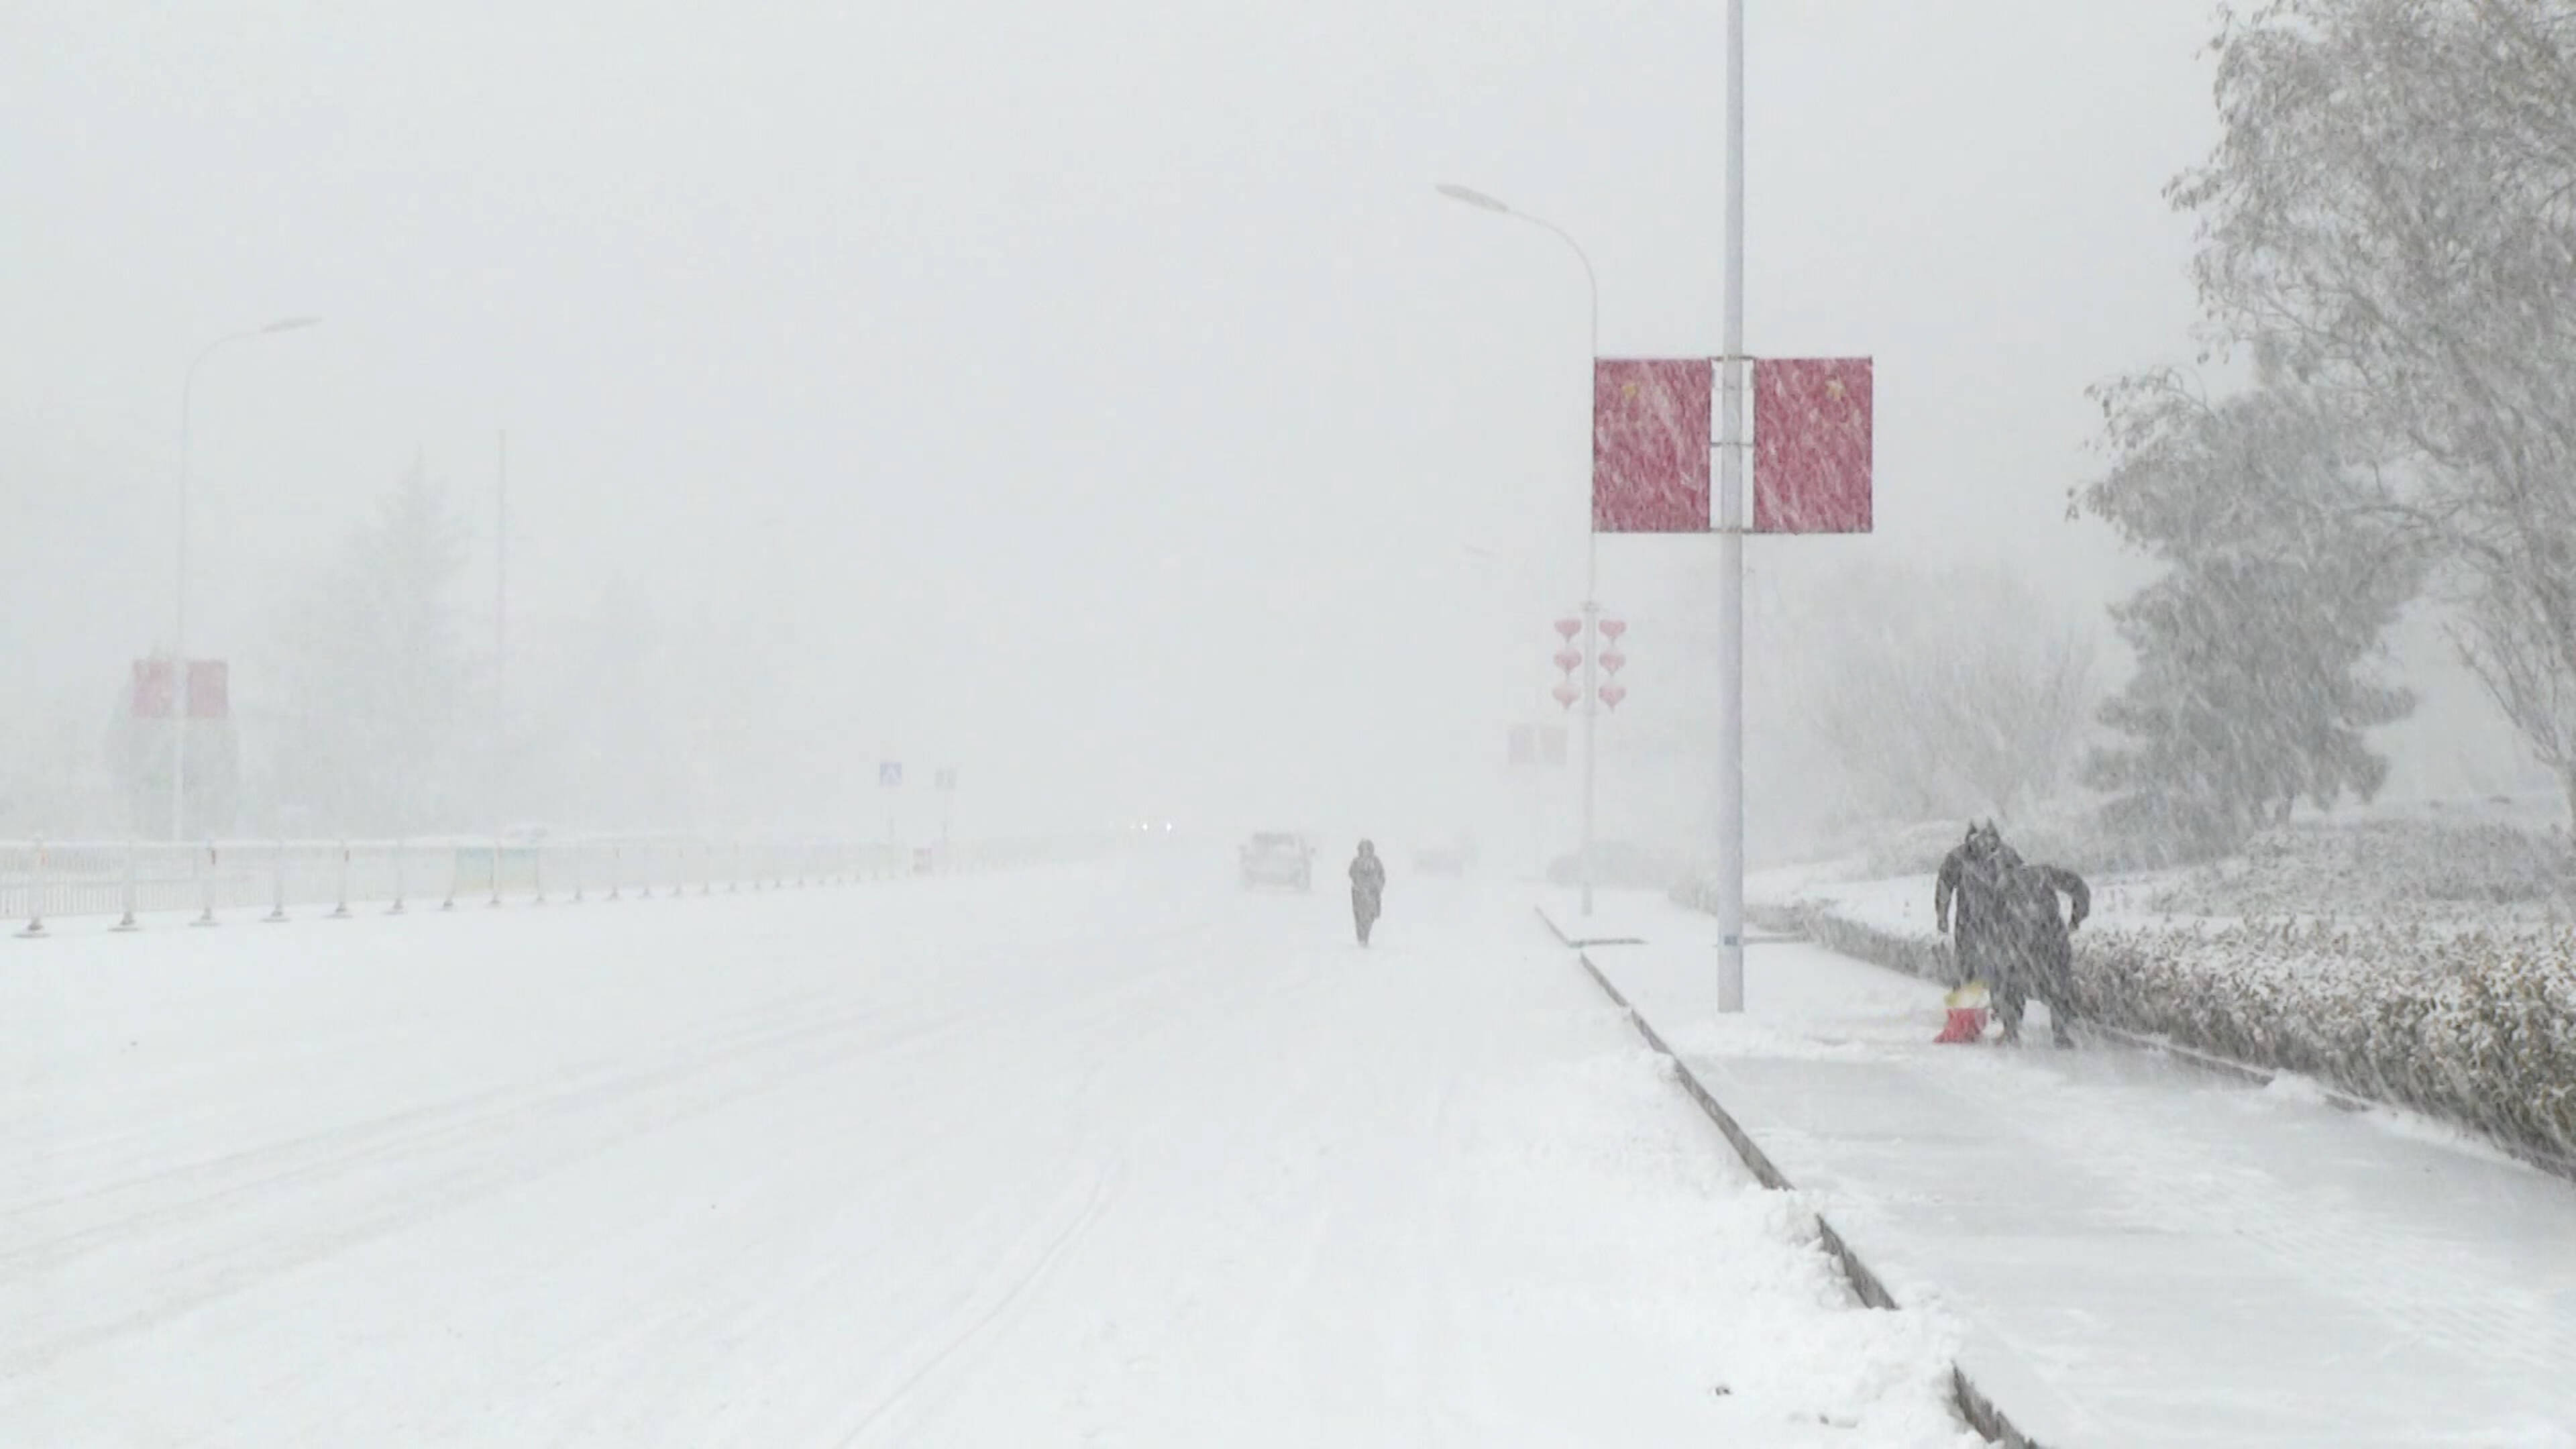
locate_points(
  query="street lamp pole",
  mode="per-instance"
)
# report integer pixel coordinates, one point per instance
(1591, 534)
(179, 622)
(1730, 546)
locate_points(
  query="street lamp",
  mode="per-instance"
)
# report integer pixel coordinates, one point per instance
(179, 626)
(1469, 196)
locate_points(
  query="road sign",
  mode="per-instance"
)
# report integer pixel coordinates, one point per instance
(890, 775)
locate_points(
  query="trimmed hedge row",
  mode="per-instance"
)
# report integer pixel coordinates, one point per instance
(2477, 1029)
(2384, 870)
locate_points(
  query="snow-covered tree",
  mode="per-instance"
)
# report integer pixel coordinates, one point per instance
(2253, 689)
(1934, 693)
(379, 688)
(2392, 204)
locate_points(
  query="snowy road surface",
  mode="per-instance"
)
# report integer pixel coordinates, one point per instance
(1115, 1155)
(2141, 1253)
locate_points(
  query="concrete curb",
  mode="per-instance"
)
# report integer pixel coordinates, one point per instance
(1979, 1411)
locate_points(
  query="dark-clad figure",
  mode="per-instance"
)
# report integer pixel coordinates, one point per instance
(2034, 953)
(1368, 889)
(1972, 875)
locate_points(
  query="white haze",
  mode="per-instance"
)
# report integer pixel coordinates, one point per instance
(1095, 398)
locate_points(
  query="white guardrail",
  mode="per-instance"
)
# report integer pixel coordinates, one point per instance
(42, 880)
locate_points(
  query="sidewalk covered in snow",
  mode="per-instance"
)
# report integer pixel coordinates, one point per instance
(2144, 1252)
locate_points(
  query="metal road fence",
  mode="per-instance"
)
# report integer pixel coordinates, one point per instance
(42, 880)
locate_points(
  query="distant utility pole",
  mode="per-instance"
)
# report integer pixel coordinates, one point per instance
(500, 654)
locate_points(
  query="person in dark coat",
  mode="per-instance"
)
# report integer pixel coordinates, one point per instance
(1972, 874)
(1368, 888)
(2034, 954)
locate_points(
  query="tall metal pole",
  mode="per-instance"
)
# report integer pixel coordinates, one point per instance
(501, 602)
(500, 655)
(1591, 564)
(1591, 534)
(179, 623)
(179, 607)
(1591, 599)
(1730, 545)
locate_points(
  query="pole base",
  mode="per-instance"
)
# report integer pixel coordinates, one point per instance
(35, 931)
(127, 924)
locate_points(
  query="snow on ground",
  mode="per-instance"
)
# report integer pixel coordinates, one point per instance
(2141, 1253)
(1114, 1155)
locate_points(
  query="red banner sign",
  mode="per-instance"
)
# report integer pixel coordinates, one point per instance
(1650, 442)
(152, 689)
(1811, 445)
(209, 689)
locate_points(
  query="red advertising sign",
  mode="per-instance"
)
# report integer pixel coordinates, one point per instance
(1650, 442)
(152, 689)
(1811, 445)
(209, 689)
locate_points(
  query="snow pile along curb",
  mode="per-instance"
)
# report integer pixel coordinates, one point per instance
(1978, 1411)
(2477, 1029)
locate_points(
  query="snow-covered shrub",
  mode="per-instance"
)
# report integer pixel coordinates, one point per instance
(2073, 837)
(2400, 869)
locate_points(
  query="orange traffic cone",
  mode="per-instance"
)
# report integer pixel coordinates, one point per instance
(1967, 1021)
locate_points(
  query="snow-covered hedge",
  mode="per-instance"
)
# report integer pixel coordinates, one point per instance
(2401, 869)
(2477, 1028)
(2076, 841)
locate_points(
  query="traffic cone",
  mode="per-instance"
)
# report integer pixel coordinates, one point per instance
(1967, 1021)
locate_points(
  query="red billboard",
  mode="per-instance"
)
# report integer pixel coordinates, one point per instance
(1811, 445)
(1650, 444)
(209, 689)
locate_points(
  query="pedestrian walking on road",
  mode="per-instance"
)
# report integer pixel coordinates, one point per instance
(1368, 889)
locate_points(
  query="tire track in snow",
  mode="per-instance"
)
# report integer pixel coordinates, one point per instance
(985, 1310)
(249, 1174)
(643, 1336)
(734, 1309)
(250, 1167)
(216, 1185)
(1204, 1025)
(534, 1151)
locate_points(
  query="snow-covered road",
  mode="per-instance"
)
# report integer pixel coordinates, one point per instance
(1112, 1155)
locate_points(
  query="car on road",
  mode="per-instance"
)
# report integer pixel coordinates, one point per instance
(1279, 858)
(1453, 859)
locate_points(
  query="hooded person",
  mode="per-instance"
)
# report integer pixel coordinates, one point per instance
(1368, 888)
(2034, 953)
(1973, 874)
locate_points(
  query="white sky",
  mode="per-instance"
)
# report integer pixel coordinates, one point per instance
(1089, 394)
